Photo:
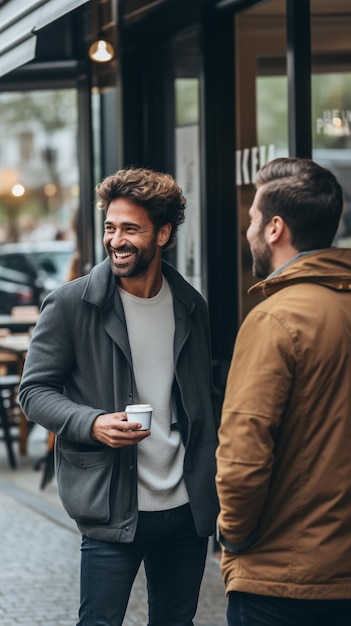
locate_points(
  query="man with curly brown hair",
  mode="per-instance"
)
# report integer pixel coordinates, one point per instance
(132, 331)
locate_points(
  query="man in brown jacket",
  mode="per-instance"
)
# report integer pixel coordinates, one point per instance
(284, 457)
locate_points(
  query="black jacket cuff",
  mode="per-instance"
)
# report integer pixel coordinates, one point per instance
(237, 548)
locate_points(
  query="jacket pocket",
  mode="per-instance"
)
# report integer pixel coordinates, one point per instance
(84, 482)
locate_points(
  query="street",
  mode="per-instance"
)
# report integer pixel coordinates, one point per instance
(40, 554)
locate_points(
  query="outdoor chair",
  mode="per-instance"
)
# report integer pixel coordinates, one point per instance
(9, 414)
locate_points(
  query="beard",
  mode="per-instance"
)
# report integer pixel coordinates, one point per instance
(135, 267)
(261, 261)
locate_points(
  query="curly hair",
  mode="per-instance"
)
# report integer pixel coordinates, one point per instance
(156, 192)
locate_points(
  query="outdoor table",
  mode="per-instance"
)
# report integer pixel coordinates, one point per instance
(18, 324)
(18, 344)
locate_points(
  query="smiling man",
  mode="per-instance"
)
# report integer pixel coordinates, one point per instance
(132, 331)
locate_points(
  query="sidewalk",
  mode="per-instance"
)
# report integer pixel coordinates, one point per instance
(40, 554)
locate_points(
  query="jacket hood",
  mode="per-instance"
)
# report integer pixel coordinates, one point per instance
(328, 268)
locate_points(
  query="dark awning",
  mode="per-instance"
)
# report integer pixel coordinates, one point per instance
(19, 23)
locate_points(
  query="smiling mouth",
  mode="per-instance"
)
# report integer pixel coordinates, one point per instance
(121, 256)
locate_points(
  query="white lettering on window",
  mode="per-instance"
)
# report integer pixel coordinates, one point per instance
(249, 160)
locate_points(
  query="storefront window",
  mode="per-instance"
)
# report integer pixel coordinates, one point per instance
(38, 165)
(261, 112)
(262, 104)
(187, 154)
(272, 114)
(331, 100)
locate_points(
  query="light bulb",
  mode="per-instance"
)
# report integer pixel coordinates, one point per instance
(101, 51)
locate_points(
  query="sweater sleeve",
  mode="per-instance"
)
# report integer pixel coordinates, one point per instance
(257, 390)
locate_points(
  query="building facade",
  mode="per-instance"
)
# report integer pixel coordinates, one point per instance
(208, 90)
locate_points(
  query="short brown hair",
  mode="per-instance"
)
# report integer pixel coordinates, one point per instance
(307, 196)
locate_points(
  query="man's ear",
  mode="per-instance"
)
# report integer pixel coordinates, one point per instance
(275, 229)
(164, 234)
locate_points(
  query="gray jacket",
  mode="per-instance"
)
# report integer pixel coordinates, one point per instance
(79, 365)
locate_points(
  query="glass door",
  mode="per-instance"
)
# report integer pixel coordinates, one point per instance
(261, 112)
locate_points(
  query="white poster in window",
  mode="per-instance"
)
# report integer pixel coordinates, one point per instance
(188, 178)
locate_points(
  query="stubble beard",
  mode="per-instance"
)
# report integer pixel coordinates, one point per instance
(141, 262)
(261, 265)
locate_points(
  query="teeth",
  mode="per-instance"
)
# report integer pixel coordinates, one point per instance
(122, 255)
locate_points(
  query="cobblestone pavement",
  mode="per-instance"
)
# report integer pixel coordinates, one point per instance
(40, 554)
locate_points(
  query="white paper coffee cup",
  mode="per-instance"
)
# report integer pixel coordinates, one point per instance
(141, 413)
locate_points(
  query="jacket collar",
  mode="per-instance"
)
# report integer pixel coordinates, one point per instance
(101, 286)
(330, 268)
(101, 292)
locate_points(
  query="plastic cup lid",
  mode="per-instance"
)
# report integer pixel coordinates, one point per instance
(138, 408)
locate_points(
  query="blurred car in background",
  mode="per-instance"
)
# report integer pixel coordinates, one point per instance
(30, 270)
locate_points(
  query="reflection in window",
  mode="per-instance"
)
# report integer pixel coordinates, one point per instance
(38, 155)
(331, 117)
(272, 114)
(187, 153)
(26, 144)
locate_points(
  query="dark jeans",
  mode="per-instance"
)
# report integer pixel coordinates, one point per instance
(247, 609)
(174, 559)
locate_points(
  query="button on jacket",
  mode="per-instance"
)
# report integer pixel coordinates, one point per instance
(79, 366)
(284, 461)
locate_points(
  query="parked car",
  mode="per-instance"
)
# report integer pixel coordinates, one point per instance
(29, 271)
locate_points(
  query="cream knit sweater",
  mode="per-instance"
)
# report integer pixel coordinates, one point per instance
(150, 325)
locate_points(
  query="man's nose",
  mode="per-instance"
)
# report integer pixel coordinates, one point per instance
(117, 239)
